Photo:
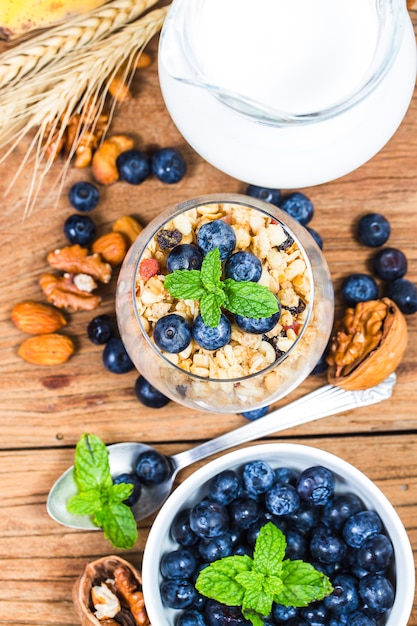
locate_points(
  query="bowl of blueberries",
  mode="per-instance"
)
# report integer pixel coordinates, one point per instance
(278, 534)
(225, 303)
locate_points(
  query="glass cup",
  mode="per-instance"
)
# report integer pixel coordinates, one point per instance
(287, 94)
(294, 355)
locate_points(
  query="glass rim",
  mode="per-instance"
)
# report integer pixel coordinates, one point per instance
(230, 199)
(391, 15)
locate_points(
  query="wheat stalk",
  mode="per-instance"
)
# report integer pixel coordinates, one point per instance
(47, 48)
(51, 93)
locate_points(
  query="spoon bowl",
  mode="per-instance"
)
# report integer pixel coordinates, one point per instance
(325, 401)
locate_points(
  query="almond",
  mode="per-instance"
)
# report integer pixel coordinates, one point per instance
(112, 247)
(128, 226)
(51, 349)
(36, 318)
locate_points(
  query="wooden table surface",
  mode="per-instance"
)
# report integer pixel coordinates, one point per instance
(44, 410)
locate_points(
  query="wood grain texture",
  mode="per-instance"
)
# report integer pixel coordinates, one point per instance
(43, 411)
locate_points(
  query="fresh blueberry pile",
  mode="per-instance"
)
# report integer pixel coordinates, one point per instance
(333, 531)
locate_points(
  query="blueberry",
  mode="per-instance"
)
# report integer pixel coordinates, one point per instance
(255, 414)
(260, 325)
(258, 477)
(297, 545)
(377, 594)
(327, 548)
(316, 484)
(219, 615)
(283, 613)
(315, 614)
(168, 165)
(185, 256)
(282, 499)
(149, 395)
(244, 511)
(224, 487)
(339, 509)
(375, 553)
(305, 517)
(404, 293)
(243, 266)
(390, 264)
(299, 207)
(359, 288)
(181, 530)
(100, 329)
(84, 196)
(358, 618)
(373, 230)
(212, 338)
(152, 467)
(359, 526)
(172, 333)
(179, 563)
(209, 519)
(286, 475)
(297, 621)
(79, 229)
(321, 366)
(130, 479)
(345, 596)
(217, 234)
(115, 358)
(273, 196)
(177, 593)
(316, 236)
(191, 617)
(133, 166)
(214, 548)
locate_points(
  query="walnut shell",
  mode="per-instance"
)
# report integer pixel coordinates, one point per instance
(99, 570)
(368, 345)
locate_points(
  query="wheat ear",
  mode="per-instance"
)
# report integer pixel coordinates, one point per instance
(47, 48)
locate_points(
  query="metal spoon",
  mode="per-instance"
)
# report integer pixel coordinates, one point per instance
(325, 401)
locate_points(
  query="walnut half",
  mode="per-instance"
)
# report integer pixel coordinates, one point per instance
(368, 345)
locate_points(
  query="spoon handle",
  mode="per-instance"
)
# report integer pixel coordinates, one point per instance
(325, 401)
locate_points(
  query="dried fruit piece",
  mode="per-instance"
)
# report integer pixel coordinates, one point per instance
(368, 345)
(112, 247)
(168, 238)
(62, 292)
(76, 260)
(50, 349)
(149, 268)
(36, 318)
(128, 226)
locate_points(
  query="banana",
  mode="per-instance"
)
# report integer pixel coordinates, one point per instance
(20, 17)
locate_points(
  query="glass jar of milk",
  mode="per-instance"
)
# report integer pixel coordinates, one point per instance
(287, 93)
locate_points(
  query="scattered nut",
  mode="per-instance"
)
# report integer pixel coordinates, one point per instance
(368, 345)
(76, 260)
(36, 318)
(118, 86)
(123, 580)
(50, 349)
(63, 293)
(104, 159)
(128, 226)
(112, 247)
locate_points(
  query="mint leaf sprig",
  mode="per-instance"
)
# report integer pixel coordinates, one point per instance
(98, 496)
(240, 297)
(255, 583)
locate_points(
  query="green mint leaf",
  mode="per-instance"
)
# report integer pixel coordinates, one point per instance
(85, 503)
(256, 619)
(269, 550)
(185, 284)
(91, 465)
(211, 270)
(210, 308)
(118, 524)
(302, 584)
(249, 299)
(119, 492)
(256, 601)
(218, 580)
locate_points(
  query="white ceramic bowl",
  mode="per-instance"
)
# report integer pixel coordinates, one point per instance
(298, 457)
